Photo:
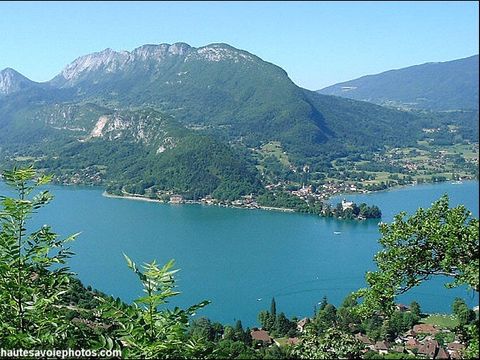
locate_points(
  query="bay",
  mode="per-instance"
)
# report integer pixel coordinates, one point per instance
(239, 259)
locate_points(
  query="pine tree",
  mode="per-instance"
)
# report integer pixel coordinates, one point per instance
(273, 308)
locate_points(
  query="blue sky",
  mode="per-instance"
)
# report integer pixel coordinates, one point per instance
(317, 43)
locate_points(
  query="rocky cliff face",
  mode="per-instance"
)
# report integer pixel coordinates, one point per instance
(138, 127)
(109, 61)
(11, 81)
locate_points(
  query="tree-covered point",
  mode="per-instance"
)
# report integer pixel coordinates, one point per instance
(349, 211)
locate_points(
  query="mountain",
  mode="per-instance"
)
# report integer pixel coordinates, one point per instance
(450, 85)
(12, 81)
(230, 94)
(216, 87)
(176, 118)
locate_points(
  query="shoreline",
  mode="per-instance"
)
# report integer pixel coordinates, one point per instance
(193, 202)
(271, 208)
(400, 187)
(131, 197)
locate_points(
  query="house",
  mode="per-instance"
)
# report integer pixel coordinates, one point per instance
(208, 199)
(365, 340)
(293, 341)
(247, 199)
(346, 204)
(382, 347)
(455, 349)
(401, 307)
(262, 336)
(425, 329)
(410, 334)
(429, 348)
(398, 349)
(412, 344)
(176, 199)
(442, 354)
(301, 324)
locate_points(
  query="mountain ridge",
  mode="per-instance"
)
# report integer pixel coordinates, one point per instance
(447, 85)
(112, 61)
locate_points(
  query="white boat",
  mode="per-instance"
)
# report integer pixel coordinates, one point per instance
(337, 232)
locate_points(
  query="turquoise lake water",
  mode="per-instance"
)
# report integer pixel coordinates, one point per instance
(236, 257)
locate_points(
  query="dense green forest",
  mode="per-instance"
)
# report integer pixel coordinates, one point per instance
(44, 307)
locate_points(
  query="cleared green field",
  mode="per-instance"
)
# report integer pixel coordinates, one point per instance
(441, 320)
(274, 148)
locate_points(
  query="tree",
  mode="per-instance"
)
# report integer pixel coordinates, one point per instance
(409, 320)
(415, 309)
(33, 271)
(396, 324)
(229, 349)
(436, 241)
(240, 334)
(332, 344)
(274, 352)
(273, 308)
(283, 325)
(372, 326)
(323, 303)
(147, 331)
(347, 319)
(462, 312)
(202, 329)
(264, 319)
(325, 318)
(229, 333)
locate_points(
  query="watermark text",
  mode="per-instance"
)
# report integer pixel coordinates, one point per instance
(59, 353)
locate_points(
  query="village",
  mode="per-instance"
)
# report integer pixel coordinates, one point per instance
(249, 201)
(422, 340)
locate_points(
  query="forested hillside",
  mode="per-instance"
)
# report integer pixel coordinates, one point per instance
(450, 85)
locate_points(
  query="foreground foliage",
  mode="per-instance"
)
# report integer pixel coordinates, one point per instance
(436, 241)
(439, 241)
(142, 330)
(38, 304)
(33, 269)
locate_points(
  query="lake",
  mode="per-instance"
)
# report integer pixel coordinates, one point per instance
(239, 259)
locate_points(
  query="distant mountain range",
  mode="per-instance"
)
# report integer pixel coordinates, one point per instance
(186, 119)
(450, 85)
